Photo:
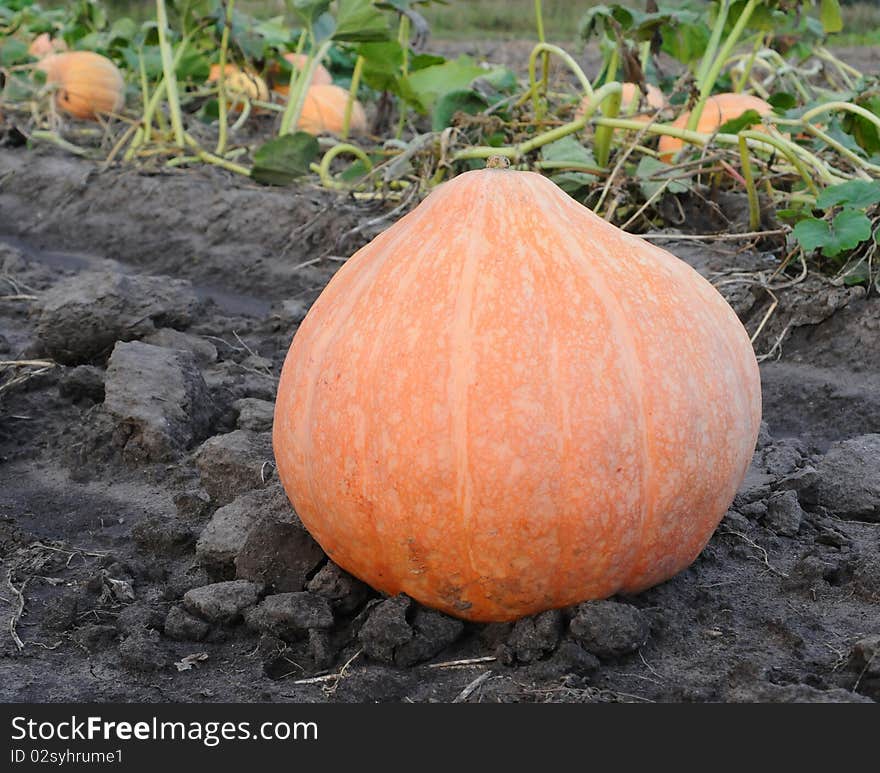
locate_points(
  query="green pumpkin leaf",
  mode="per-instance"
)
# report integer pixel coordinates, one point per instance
(782, 101)
(829, 14)
(462, 100)
(13, 52)
(846, 232)
(359, 21)
(652, 173)
(812, 233)
(282, 160)
(859, 194)
(428, 84)
(736, 125)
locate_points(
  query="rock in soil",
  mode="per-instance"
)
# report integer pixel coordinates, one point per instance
(159, 398)
(848, 482)
(223, 602)
(388, 637)
(181, 625)
(610, 629)
(234, 463)
(532, 638)
(279, 553)
(83, 317)
(290, 615)
(254, 414)
(202, 349)
(225, 534)
(163, 536)
(345, 593)
(784, 514)
(84, 383)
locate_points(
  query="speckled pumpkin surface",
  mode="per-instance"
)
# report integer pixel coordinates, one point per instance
(503, 404)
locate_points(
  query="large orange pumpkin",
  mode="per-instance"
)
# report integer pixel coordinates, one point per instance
(504, 404)
(320, 77)
(324, 109)
(718, 110)
(87, 85)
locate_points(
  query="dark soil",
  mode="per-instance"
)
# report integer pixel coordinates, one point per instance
(149, 553)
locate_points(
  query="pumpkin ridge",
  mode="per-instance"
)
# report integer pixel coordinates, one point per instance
(324, 341)
(629, 362)
(411, 267)
(461, 371)
(347, 298)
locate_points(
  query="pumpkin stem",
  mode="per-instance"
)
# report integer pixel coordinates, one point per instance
(497, 162)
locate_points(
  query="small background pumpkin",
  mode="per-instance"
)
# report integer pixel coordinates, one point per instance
(240, 84)
(718, 110)
(324, 110)
(280, 85)
(87, 85)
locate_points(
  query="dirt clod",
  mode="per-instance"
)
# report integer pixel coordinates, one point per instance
(234, 463)
(281, 554)
(610, 629)
(848, 483)
(84, 383)
(222, 602)
(290, 615)
(83, 317)
(345, 593)
(253, 414)
(784, 514)
(181, 625)
(159, 398)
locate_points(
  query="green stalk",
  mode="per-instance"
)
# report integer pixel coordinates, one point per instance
(403, 31)
(145, 90)
(613, 64)
(747, 68)
(751, 190)
(352, 95)
(298, 89)
(221, 81)
(845, 106)
(714, 41)
(572, 65)
(170, 75)
(545, 59)
(604, 134)
(707, 82)
(142, 135)
(324, 169)
(516, 152)
(210, 158)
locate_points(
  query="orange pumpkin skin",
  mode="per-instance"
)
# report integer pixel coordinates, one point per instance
(630, 98)
(323, 111)
(320, 77)
(43, 45)
(504, 404)
(87, 84)
(718, 110)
